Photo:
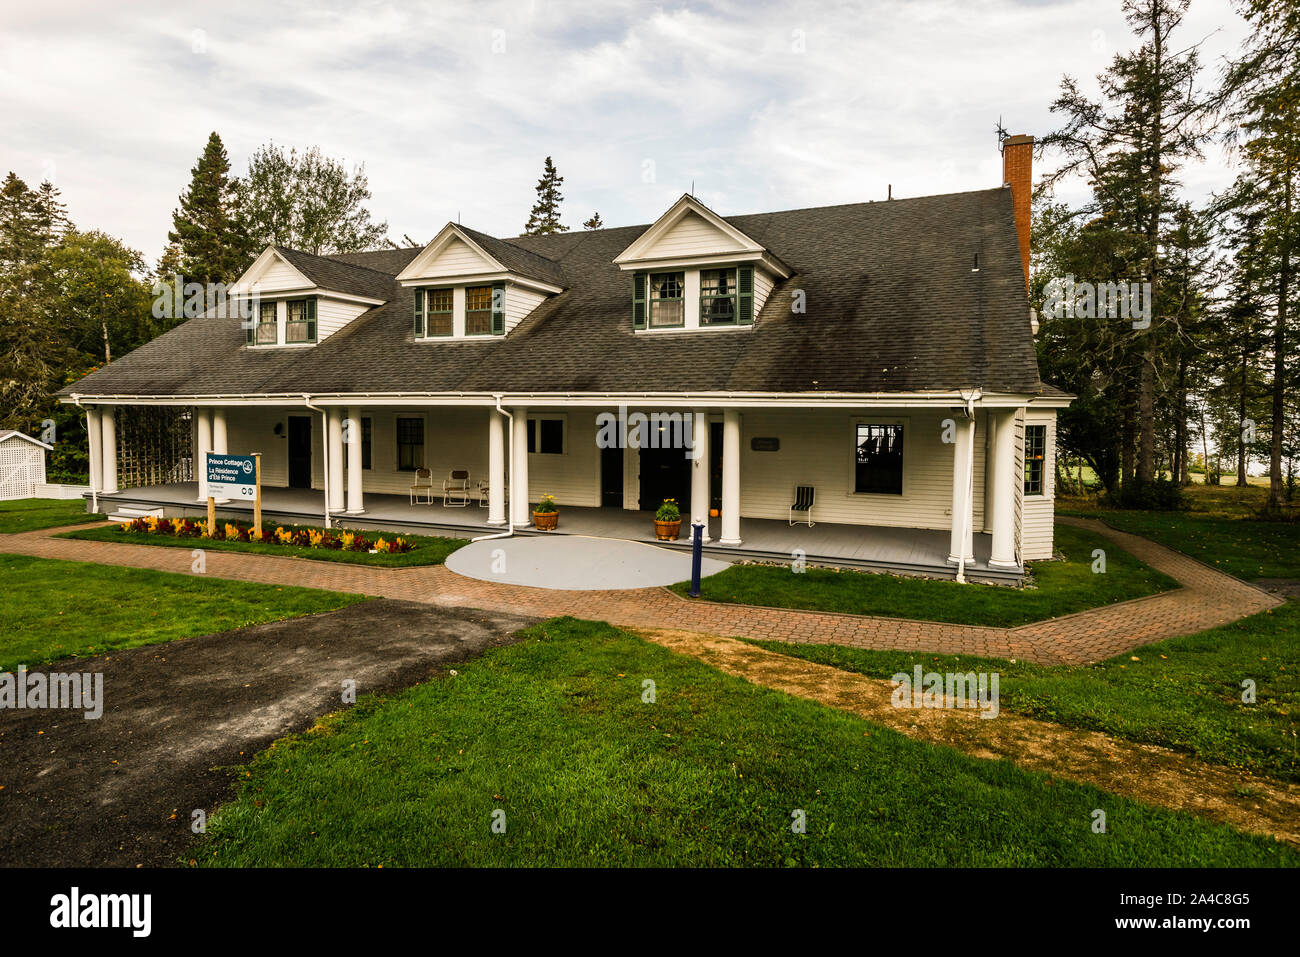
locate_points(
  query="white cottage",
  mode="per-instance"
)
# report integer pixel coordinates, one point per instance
(880, 354)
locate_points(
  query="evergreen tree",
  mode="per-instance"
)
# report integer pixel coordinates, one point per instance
(206, 226)
(545, 216)
(594, 223)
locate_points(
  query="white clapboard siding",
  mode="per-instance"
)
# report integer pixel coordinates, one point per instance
(456, 259)
(519, 303)
(762, 289)
(279, 276)
(817, 448)
(692, 235)
(1037, 517)
(333, 314)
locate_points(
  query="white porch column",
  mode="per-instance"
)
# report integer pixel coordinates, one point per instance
(1001, 475)
(700, 472)
(96, 450)
(202, 446)
(496, 468)
(108, 441)
(730, 478)
(962, 540)
(352, 436)
(519, 505)
(219, 441)
(335, 419)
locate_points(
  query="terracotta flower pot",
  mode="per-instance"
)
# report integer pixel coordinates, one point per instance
(667, 531)
(546, 521)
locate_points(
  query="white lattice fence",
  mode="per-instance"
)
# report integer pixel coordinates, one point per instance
(153, 446)
(22, 468)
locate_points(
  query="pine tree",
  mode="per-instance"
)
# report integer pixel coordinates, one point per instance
(594, 223)
(545, 216)
(206, 226)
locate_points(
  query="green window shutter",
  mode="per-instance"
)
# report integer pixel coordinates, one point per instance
(745, 295)
(251, 330)
(309, 313)
(638, 300)
(498, 309)
(419, 313)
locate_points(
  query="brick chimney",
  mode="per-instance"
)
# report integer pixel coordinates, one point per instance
(1018, 173)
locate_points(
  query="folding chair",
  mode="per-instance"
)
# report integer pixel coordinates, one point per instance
(455, 489)
(803, 502)
(423, 486)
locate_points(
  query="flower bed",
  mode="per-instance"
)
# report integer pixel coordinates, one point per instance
(295, 537)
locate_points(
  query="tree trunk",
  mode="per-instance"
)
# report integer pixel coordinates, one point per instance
(1126, 437)
(1276, 497)
(1241, 422)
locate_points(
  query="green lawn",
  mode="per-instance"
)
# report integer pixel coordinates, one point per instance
(554, 733)
(26, 514)
(57, 609)
(1184, 693)
(428, 550)
(1060, 588)
(1220, 527)
(1247, 548)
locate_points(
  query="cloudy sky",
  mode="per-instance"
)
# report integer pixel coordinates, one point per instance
(452, 107)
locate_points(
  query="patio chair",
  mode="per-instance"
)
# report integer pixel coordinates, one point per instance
(455, 488)
(803, 502)
(423, 485)
(484, 492)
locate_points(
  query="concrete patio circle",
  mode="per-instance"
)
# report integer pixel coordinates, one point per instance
(575, 563)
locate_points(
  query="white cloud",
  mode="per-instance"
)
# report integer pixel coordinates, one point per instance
(762, 106)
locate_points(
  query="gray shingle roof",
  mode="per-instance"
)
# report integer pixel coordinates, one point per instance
(893, 305)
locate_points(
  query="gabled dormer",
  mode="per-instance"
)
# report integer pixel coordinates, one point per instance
(694, 270)
(468, 285)
(299, 300)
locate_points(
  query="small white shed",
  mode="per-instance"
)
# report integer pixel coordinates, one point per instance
(22, 464)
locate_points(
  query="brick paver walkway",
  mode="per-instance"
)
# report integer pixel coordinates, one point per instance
(1208, 598)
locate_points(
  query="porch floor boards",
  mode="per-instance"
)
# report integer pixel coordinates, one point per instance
(876, 547)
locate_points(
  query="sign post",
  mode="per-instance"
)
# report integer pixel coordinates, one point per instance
(236, 477)
(257, 494)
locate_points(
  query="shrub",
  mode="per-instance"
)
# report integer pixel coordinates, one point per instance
(1162, 495)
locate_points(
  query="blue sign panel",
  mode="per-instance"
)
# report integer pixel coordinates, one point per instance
(231, 476)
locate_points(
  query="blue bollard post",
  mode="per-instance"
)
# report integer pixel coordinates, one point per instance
(697, 552)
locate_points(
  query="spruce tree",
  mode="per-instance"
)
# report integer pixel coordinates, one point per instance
(594, 223)
(545, 216)
(206, 225)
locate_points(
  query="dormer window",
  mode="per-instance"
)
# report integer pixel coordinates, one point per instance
(667, 299)
(439, 303)
(717, 297)
(266, 333)
(478, 310)
(300, 321)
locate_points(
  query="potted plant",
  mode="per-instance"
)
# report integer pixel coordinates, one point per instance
(668, 521)
(546, 515)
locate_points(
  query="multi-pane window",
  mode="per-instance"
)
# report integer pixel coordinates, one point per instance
(478, 310)
(1035, 451)
(300, 320)
(717, 297)
(878, 459)
(667, 307)
(438, 320)
(546, 436)
(266, 334)
(410, 443)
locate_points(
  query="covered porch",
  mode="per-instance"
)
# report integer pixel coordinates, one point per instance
(910, 551)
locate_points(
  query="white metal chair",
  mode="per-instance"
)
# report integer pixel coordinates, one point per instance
(484, 492)
(804, 496)
(422, 487)
(455, 489)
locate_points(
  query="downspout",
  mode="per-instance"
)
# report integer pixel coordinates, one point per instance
(325, 444)
(968, 513)
(94, 492)
(510, 444)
